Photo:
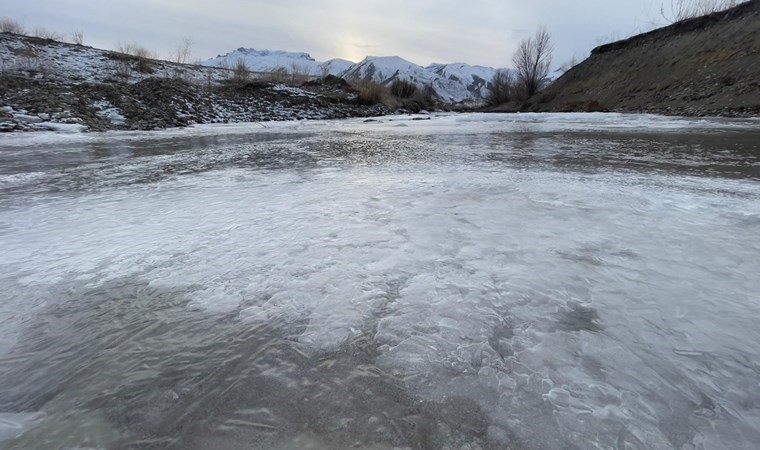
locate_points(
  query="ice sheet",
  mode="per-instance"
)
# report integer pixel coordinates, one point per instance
(573, 303)
(444, 123)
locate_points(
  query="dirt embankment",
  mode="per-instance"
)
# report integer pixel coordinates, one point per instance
(704, 66)
(49, 85)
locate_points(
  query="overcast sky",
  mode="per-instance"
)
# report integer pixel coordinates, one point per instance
(484, 32)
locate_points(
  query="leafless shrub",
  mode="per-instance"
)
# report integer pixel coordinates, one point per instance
(142, 52)
(126, 64)
(532, 61)
(297, 75)
(403, 89)
(29, 60)
(240, 70)
(25, 51)
(606, 39)
(123, 69)
(135, 50)
(678, 10)
(280, 75)
(183, 53)
(427, 94)
(569, 64)
(371, 93)
(227, 68)
(502, 87)
(209, 79)
(77, 37)
(145, 66)
(26, 58)
(425, 97)
(44, 33)
(8, 25)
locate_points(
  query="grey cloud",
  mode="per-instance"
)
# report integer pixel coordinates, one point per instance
(482, 32)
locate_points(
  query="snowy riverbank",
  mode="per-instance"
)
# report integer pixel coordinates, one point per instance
(49, 85)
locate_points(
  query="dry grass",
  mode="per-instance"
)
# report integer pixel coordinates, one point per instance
(400, 94)
(136, 50)
(77, 37)
(240, 71)
(297, 75)
(403, 89)
(8, 25)
(371, 93)
(44, 33)
(678, 10)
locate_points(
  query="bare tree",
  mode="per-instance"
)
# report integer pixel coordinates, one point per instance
(532, 61)
(502, 87)
(678, 10)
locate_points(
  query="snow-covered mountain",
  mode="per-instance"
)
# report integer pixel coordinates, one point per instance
(452, 83)
(271, 61)
(474, 78)
(335, 66)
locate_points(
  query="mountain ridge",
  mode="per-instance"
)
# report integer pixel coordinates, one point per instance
(452, 83)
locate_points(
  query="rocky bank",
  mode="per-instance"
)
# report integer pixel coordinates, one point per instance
(708, 65)
(50, 85)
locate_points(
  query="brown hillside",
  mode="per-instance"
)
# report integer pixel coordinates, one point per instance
(709, 65)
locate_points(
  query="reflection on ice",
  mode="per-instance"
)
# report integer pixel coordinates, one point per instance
(464, 282)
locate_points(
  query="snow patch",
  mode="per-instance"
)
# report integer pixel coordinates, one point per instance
(108, 111)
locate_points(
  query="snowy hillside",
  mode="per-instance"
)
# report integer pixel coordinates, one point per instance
(49, 85)
(385, 69)
(452, 83)
(474, 78)
(272, 61)
(335, 66)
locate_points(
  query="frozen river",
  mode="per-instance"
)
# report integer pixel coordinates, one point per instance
(499, 281)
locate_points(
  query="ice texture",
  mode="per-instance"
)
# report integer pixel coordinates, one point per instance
(537, 281)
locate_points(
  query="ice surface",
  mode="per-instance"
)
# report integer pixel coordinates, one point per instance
(545, 281)
(13, 425)
(445, 124)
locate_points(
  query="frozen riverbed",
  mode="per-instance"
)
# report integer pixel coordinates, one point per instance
(468, 281)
